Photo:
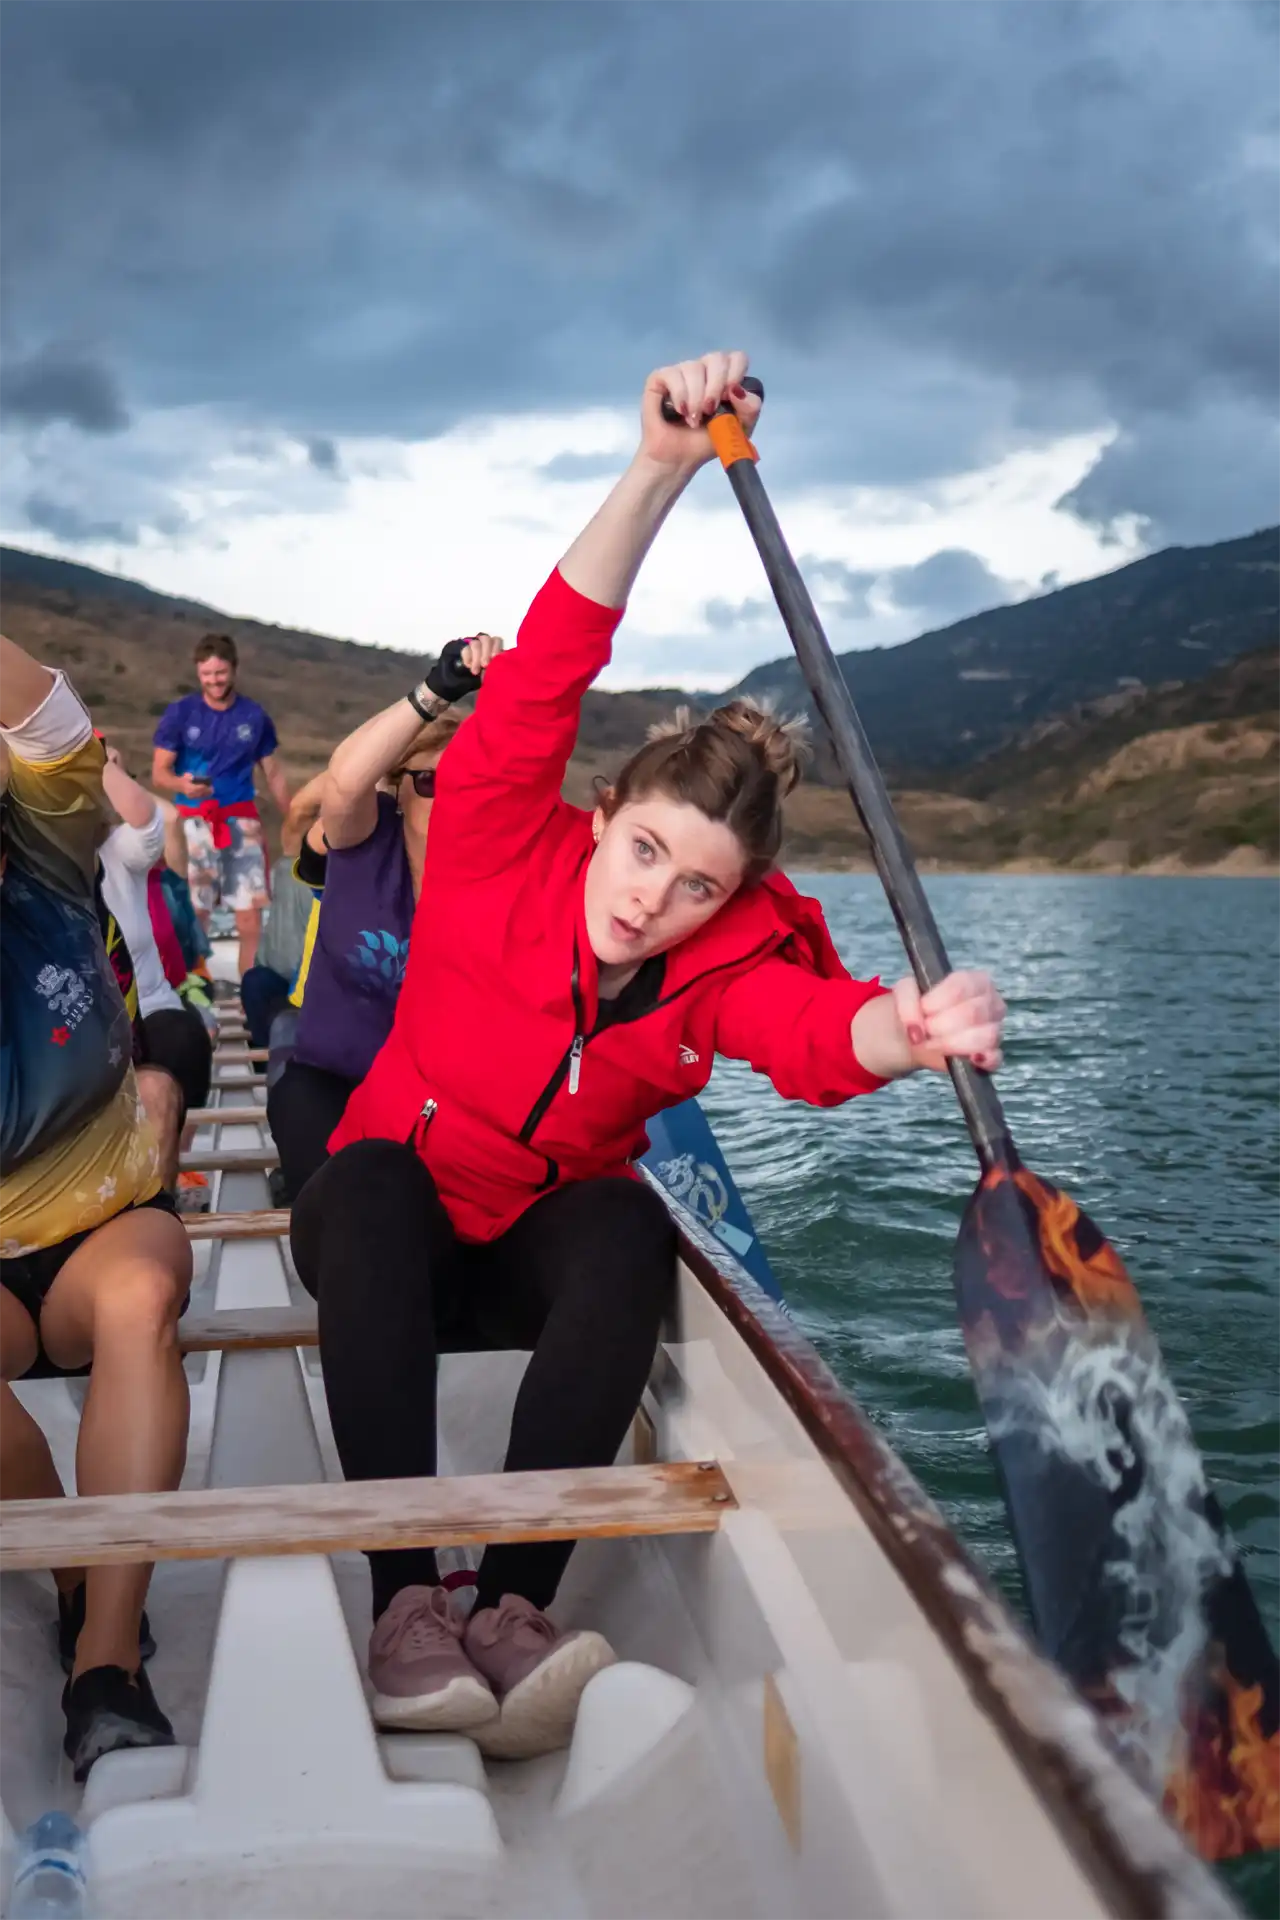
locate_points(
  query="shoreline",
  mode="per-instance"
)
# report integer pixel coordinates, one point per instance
(1166, 869)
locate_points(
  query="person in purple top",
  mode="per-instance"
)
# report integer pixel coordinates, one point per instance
(207, 747)
(366, 851)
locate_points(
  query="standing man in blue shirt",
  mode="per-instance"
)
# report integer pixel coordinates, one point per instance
(207, 746)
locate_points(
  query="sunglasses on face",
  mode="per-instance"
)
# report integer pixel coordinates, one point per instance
(423, 778)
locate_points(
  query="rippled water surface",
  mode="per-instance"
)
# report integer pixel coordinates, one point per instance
(1143, 1067)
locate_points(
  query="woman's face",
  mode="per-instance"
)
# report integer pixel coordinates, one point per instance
(660, 869)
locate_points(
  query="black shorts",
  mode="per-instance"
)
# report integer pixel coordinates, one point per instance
(178, 1041)
(30, 1276)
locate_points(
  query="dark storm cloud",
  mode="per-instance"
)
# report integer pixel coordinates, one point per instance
(322, 454)
(946, 586)
(848, 587)
(724, 615)
(57, 383)
(1230, 489)
(581, 466)
(944, 230)
(69, 524)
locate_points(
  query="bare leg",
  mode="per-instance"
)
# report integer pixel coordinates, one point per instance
(249, 928)
(162, 1098)
(27, 1471)
(116, 1302)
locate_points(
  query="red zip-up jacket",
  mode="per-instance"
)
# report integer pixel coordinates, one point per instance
(492, 1070)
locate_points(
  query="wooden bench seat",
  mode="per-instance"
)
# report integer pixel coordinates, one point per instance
(270, 1223)
(581, 1503)
(228, 1116)
(230, 1160)
(248, 1329)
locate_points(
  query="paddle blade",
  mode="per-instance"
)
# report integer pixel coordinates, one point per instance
(1133, 1581)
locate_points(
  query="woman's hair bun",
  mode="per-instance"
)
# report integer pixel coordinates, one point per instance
(781, 742)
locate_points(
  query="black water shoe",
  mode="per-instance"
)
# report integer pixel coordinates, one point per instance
(108, 1709)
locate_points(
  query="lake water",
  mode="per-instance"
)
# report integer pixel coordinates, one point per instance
(1143, 1074)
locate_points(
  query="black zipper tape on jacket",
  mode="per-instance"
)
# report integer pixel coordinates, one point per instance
(558, 1078)
(537, 1112)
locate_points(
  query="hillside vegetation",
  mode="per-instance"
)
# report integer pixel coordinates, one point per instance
(1176, 775)
(947, 698)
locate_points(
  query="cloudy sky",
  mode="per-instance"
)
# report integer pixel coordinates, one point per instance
(336, 314)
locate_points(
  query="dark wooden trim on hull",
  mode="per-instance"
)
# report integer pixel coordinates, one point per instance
(1135, 1860)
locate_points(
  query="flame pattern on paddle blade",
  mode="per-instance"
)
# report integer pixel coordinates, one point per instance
(1132, 1577)
(1225, 1795)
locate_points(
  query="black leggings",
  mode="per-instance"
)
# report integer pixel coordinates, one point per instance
(178, 1040)
(303, 1107)
(263, 992)
(583, 1278)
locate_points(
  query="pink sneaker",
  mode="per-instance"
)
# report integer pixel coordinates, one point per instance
(537, 1672)
(421, 1677)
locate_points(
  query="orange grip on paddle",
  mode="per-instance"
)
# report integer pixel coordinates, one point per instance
(729, 438)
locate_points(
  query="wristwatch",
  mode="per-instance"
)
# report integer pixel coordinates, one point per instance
(424, 702)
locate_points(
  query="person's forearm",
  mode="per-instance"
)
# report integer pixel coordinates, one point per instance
(279, 788)
(374, 750)
(175, 839)
(304, 809)
(136, 807)
(305, 804)
(605, 558)
(166, 776)
(24, 683)
(880, 1040)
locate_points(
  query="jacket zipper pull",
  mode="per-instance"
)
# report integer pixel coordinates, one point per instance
(428, 1114)
(575, 1062)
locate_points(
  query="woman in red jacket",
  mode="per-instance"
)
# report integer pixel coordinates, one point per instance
(569, 974)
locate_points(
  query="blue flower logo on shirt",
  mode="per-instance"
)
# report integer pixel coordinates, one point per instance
(381, 953)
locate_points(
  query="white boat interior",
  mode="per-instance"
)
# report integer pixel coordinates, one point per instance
(820, 1708)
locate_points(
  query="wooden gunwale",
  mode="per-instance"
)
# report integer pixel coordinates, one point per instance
(1078, 1788)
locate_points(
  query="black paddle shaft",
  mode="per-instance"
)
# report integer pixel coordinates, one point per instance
(974, 1090)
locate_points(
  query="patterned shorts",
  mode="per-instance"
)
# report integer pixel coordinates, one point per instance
(234, 876)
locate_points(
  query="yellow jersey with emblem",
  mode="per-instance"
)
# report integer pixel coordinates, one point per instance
(79, 1148)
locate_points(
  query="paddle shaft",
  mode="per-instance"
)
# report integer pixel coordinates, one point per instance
(974, 1090)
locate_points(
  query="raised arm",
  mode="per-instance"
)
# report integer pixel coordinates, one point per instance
(52, 773)
(24, 683)
(176, 856)
(136, 807)
(501, 780)
(349, 809)
(380, 746)
(304, 811)
(605, 558)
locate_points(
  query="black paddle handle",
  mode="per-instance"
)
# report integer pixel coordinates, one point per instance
(897, 868)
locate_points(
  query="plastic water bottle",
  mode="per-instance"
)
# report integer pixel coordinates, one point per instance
(48, 1875)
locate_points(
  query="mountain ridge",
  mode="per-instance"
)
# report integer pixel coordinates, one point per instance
(1167, 777)
(957, 693)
